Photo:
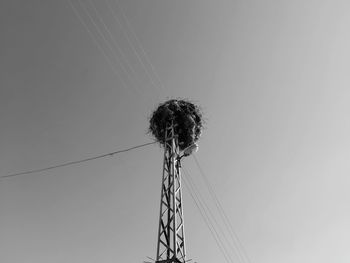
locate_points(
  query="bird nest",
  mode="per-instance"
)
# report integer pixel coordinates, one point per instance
(186, 118)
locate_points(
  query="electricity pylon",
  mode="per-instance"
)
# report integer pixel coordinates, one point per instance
(171, 233)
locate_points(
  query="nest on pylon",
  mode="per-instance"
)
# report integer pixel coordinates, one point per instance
(186, 118)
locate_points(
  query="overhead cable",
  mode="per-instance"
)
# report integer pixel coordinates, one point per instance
(121, 52)
(207, 220)
(76, 162)
(237, 243)
(138, 42)
(116, 18)
(232, 247)
(76, 12)
(102, 35)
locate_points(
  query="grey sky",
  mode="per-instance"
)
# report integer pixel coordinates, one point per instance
(272, 78)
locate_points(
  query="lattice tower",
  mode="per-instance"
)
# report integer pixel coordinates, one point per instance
(171, 233)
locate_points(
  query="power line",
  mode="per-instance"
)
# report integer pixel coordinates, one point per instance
(207, 220)
(76, 162)
(97, 13)
(75, 10)
(138, 42)
(110, 45)
(211, 215)
(236, 241)
(128, 26)
(103, 37)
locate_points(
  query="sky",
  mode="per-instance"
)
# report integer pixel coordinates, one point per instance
(81, 78)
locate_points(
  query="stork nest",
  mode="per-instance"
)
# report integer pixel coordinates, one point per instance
(186, 117)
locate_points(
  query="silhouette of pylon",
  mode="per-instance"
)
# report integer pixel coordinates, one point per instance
(171, 232)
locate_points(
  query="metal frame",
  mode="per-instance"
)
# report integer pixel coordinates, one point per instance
(171, 232)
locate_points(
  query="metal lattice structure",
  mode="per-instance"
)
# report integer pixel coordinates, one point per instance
(171, 233)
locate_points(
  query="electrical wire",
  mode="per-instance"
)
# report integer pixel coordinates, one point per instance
(223, 233)
(124, 29)
(207, 221)
(124, 58)
(77, 162)
(104, 38)
(237, 243)
(100, 32)
(223, 214)
(112, 45)
(99, 46)
(140, 46)
(109, 40)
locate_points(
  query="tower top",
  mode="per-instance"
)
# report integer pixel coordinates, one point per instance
(186, 118)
